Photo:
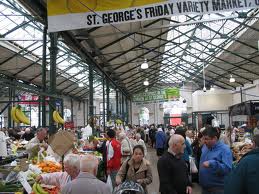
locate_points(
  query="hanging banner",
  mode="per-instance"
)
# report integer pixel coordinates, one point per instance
(172, 93)
(168, 94)
(76, 14)
(28, 99)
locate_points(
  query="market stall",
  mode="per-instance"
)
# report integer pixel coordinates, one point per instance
(244, 113)
(18, 171)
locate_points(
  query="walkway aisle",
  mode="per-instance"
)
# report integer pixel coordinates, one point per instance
(153, 188)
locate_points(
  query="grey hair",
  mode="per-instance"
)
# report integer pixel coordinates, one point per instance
(88, 163)
(41, 129)
(174, 139)
(138, 135)
(72, 160)
(122, 135)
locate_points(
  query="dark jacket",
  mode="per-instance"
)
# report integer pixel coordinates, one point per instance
(173, 174)
(244, 178)
(27, 136)
(152, 134)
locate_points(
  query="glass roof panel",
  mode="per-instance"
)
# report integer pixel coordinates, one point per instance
(199, 37)
(12, 14)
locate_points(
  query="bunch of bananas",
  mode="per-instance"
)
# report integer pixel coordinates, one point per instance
(37, 189)
(18, 116)
(118, 121)
(57, 118)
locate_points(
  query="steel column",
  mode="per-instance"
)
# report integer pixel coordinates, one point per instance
(120, 104)
(130, 104)
(9, 108)
(39, 112)
(122, 108)
(72, 110)
(62, 109)
(241, 94)
(127, 111)
(117, 102)
(108, 100)
(104, 103)
(53, 50)
(84, 112)
(87, 111)
(43, 78)
(91, 91)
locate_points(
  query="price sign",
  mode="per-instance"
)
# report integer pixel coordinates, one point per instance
(22, 178)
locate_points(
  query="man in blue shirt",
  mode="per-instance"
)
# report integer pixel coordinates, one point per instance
(215, 162)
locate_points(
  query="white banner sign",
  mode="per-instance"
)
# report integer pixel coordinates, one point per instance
(76, 14)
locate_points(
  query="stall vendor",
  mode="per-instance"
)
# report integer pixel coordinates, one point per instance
(37, 142)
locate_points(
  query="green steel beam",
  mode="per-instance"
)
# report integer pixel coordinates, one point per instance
(91, 92)
(43, 77)
(52, 102)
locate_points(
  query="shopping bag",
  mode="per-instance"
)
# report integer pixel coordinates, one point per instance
(109, 183)
(193, 167)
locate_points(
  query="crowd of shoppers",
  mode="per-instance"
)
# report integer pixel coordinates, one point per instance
(125, 157)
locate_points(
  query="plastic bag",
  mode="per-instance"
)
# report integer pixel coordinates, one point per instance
(109, 183)
(193, 167)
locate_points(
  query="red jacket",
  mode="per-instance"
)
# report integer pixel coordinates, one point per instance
(113, 155)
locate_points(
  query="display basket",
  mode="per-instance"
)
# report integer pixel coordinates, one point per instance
(129, 187)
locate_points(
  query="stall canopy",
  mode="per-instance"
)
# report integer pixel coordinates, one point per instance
(244, 108)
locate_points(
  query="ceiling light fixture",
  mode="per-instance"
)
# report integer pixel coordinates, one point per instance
(231, 79)
(146, 83)
(212, 88)
(144, 65)
(48, 67)
(80, 85)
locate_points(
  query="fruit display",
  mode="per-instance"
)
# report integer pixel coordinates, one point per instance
(118, 121)
(18, 116)
(44, 189)
(241, 149)
(96, 153)
(57, 118)
(88, 147)
(49, 166)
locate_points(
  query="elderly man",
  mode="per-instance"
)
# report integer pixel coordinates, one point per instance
(243, 179)
(60, 179)
(172, 169)
(86, 182)
(37, 142)
(215, 162)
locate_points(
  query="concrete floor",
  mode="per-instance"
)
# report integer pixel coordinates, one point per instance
(153, 188)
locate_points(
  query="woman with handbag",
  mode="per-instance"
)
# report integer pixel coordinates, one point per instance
(136, 169)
